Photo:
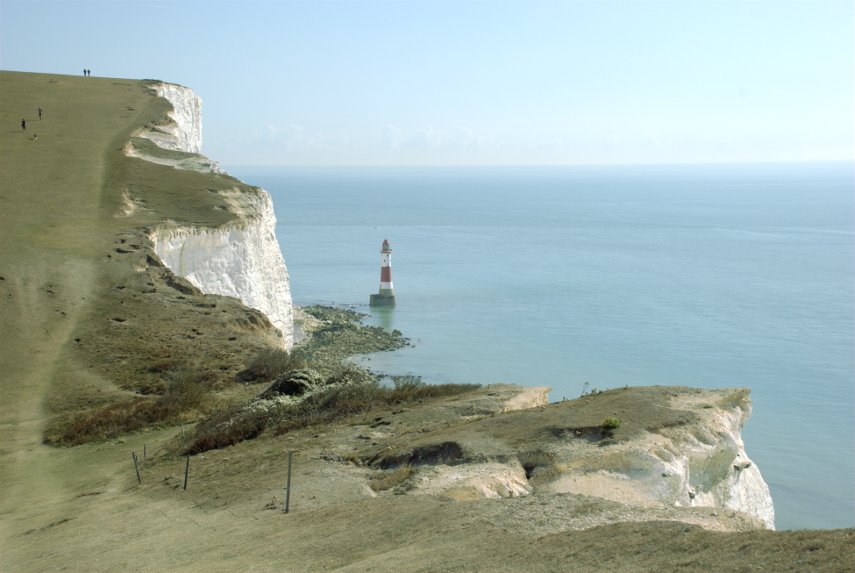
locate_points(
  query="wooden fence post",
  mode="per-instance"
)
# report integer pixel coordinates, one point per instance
(288, 484)
(186, 472)
(137, 467)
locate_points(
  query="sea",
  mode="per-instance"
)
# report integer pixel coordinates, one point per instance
(709, 276)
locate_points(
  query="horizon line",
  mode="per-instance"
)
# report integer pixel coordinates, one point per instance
(542, 165)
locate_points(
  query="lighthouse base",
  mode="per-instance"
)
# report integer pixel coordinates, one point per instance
(383, 299)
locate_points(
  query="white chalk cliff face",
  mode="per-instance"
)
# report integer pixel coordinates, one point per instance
(680, 455)
(243, 259)
(698, 464)
(185, 131)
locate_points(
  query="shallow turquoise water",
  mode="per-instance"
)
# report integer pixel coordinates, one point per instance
(698, 276)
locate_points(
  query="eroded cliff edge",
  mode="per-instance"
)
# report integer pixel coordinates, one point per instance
(678, 448)
(240, 258)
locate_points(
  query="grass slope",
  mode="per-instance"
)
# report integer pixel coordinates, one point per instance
(90, 321)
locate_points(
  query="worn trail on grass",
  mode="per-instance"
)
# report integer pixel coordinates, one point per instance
(51, 233)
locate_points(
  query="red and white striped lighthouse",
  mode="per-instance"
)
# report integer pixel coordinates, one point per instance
(386, 296)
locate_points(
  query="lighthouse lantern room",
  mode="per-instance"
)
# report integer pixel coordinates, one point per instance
(386, 296)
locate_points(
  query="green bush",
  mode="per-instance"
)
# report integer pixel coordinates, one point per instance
(270, 363)
(610, 423)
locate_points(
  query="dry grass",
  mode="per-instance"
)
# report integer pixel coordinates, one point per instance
(185, 394)
(335, 402)
(386, 480)
(339, 402)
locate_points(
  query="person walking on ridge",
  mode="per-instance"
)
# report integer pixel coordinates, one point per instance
(40, 114)
(24, 124)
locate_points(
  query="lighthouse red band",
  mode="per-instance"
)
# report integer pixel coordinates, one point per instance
(386, 296)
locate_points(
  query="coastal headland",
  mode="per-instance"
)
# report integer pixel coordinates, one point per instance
(144, 428)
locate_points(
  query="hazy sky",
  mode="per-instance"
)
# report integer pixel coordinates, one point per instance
(323, 82)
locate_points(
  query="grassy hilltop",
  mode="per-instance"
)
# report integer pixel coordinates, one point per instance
(99, 342)
(79, 279)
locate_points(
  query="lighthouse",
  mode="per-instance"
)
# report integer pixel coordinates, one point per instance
(386, 296)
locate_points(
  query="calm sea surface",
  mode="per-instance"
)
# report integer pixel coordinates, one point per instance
(699, 276)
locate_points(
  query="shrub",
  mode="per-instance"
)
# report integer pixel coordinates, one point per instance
(270, 363)
(405, 383)
(293, 383)
(610, 424)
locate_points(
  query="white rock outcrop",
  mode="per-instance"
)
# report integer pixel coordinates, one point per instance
(713, 468)
(473, 481)
(701, 463)
(242, 259)
(184, 133)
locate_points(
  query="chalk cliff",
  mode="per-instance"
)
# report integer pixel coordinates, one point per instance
(241, 259)
(675, 449)
(696, 459)
(184, 132)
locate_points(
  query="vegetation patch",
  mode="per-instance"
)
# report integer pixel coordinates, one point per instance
(449, 453)
(230, 426)
(315, 384)
(589, 433)
(185, 395)
(609, 426)
(341, 401)
(293, 383)
(385, 480)
(269, 363)
(334, 401)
